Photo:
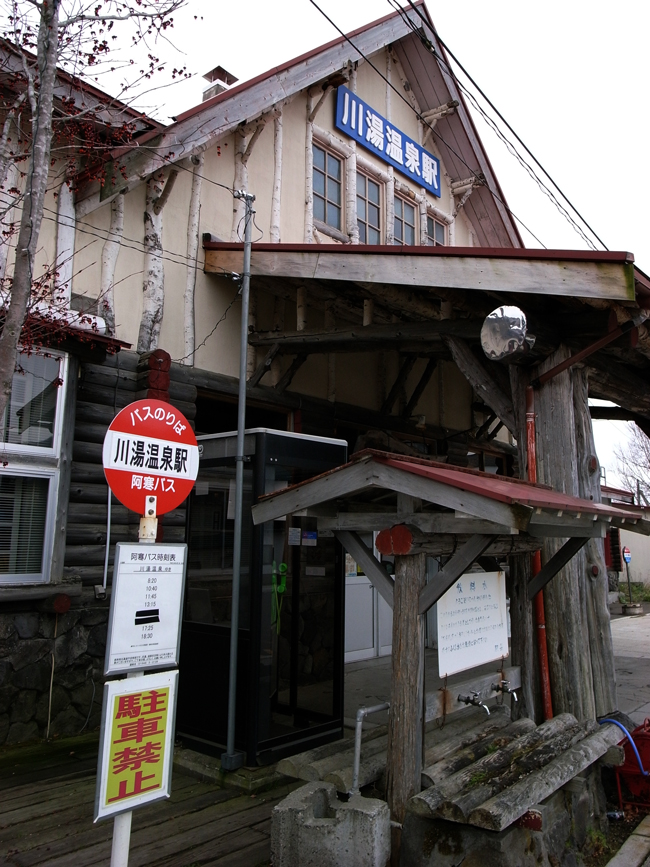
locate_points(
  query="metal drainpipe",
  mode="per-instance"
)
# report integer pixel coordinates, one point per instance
(540, 616)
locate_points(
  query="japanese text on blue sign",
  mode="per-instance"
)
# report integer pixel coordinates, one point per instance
(357, 119)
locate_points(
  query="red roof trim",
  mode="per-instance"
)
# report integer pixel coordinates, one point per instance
(621, 257)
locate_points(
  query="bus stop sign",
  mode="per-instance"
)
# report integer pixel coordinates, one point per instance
(150, 449)
(627, 555)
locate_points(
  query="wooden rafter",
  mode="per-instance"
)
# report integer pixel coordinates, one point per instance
(459, 563)
(418, 391)
(558, 561)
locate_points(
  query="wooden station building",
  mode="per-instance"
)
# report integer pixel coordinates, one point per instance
(384, 241)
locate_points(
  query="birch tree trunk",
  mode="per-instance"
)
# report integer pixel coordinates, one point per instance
(189, 325)
(153, 286)
(34, 197)
(110, 252)
(566, 619)
(274, 230)
(65, 238)
(7, 222)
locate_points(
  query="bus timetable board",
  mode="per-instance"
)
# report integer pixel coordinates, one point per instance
(145, 619)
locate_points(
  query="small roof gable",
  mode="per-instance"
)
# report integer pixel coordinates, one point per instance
(456, 137)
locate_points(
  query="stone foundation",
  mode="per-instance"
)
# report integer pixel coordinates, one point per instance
(27, 644)
(569, 819)
(312, 828)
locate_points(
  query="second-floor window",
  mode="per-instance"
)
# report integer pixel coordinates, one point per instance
(436, 234)
(368, 210)
(405, 222)
(327, 188)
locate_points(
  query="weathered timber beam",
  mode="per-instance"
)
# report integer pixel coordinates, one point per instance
(391, 478)
(459, 563)
(263, 366)
(481, 381)
(609, 380)
(418, 391)
(372, 568)
(425, 522)
(374, 336)
(403, 300)
(288, 376)
(405, 369)
(445, 701)
(557, 562)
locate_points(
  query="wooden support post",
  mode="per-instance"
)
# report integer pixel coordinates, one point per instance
(301, 308)
(567, 629)
(263, 366)
(558, 561)
(419, 388)
(481, 381)
(459, 563)
(285, 382)
(404, 756)
(406, 368)
(372, 568)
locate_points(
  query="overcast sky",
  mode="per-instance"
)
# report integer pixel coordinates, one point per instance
(568, 75)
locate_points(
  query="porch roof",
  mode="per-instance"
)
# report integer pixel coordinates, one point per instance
(577, 273)
(502, 504)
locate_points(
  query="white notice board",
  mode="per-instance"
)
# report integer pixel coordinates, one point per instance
(146, 602)
(472, 622)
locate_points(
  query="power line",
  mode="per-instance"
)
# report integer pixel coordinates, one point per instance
(431, 48)
(425, 122)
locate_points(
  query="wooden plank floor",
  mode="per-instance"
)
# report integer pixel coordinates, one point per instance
(46, 819)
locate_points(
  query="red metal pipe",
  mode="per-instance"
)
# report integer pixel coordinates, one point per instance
(540, 616)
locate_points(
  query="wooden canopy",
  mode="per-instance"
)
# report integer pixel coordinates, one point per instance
(448, 510)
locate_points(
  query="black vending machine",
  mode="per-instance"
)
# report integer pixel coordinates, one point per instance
(290, 656)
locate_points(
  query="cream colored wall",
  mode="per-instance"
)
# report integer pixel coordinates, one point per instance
(640, 565)
(362, 378)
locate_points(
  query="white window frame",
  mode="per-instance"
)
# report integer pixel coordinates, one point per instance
(32, 461)
(431, 241)
(416, 224)
(328, 151)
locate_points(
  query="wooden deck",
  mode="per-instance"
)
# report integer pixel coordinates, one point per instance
(46, 817)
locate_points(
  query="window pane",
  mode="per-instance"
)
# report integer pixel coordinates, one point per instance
(361, 208)
(373, 236)
(334, 191)
(319, 209)
(319, 183)
(319, 158)
(32, 402)
(373, 215)
(23, 507)
(334, 167)
(361, 185)
(440, 233)
(373, 192)
(409, 234)
(398, 230)
(430, 227)
(362, 232)
(333, 216)
(409, 214)
(398, 208)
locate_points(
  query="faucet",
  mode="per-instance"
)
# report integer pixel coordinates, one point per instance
(474, 699)
(504, 686)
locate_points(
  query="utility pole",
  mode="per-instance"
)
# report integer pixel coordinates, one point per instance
(233, 759)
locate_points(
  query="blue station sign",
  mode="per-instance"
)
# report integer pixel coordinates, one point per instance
(358, 120)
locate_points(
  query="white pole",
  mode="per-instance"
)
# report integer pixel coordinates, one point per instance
(121, 840)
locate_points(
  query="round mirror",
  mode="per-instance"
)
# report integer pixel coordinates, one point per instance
(504, 333)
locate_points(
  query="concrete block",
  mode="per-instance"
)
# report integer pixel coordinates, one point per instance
(312, 828)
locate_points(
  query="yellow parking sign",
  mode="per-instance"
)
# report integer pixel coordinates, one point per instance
(137, 743)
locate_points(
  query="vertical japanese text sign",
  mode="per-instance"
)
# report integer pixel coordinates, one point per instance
(150, 448)
(137, 743)
(357, 119)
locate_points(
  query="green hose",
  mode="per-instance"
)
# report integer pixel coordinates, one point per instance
(277, 590)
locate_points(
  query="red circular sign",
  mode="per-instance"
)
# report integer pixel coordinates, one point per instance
(150, 450)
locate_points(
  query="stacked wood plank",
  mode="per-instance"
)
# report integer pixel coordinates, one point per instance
(483, 771)
(103, 390)
(500, 786)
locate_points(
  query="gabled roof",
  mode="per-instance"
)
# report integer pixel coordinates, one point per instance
(506, 503)
(456, 137)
